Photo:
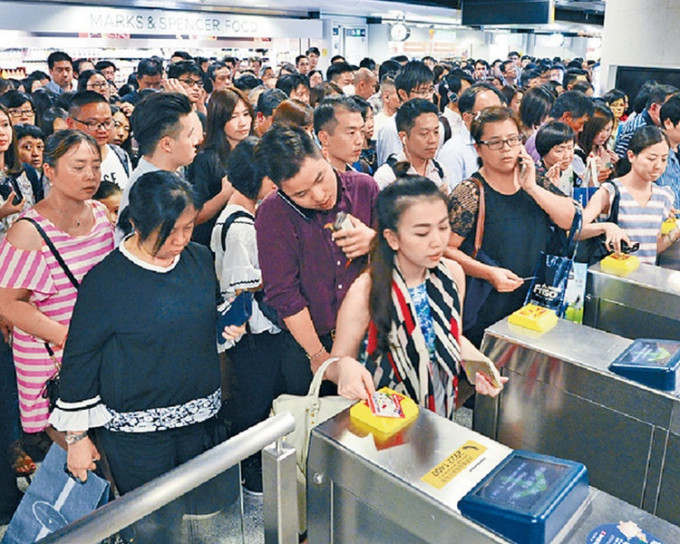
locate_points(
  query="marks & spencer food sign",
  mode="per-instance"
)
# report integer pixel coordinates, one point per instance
(34, 17)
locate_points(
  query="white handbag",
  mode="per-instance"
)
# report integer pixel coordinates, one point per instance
(309, 411)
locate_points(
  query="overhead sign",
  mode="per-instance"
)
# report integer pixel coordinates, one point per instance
(78, 19)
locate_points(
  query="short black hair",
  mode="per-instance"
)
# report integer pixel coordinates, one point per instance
(671, 111)
(214, 67)
(282, 151)
(178, 69)
(299, 58)
(450, 85)
(269, 100)
(149, 67)
(82, 98)
(551, 134)
(409, 111)
(15, 99)
(104, 64)
(658, 94)
(571, 75)
(247, 82)
(401, 59)
(182, 54)
(23, 129)
(367, 62)
(46, 122)
(58, 56)
(336, 58)
(528, 75)
(290, 82)
(336, 69)
(313, 50)
(157, 199)
(78, 62)
(243, 171)
(574, 102)
(466, 101)
(106, 189)
(156, 116)
(389, 67)
(38, 75)
(324, 114)
(505, 64)
(411, 75)
(84, 77)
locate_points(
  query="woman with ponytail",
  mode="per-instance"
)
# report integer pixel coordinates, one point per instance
(410, 302)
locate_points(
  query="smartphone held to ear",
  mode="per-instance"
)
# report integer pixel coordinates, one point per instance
(237, 313)
(521, 164)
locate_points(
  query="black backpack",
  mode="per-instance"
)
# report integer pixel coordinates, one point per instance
(267, 310)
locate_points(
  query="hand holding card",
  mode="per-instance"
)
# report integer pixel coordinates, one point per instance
(485, 366)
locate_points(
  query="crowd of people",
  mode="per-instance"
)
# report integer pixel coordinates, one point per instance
(351, 207)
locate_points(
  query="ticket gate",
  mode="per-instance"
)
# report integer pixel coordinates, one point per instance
(362, 489)
(643, 304)
(562, 400)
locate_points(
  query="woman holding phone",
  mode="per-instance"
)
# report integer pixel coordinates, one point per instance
(520, 212)
(410, 304)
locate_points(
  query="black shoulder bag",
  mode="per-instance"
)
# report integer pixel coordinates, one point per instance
(593, 250)
(51, 388)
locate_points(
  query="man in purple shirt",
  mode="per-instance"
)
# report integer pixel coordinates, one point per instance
(307, 268)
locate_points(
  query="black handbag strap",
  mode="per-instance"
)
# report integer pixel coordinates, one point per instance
(574, 231)
(228, 222)
(64, 267)
(54, 251)
(614, 211)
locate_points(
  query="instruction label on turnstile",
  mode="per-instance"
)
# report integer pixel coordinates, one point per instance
(625, 532)
(454, 464)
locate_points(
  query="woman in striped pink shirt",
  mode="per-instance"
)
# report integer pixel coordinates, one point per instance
(36, 294)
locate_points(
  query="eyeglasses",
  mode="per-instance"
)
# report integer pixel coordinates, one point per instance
(192, 82)
(21, 113)
(99, 85)
(96, 125)
(498, 143)
(425, 92)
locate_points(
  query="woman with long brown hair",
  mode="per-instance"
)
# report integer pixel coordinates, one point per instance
(230, 119)
(409, 302)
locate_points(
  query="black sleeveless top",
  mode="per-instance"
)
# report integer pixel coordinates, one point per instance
(516, 231)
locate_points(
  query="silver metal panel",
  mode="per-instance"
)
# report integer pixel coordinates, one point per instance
(668, 506)
(349, 471)
(362, 491)
(649, 288)
(279, 479)
(604, 508)
(644, 303)
(575, 358)
(562, 400)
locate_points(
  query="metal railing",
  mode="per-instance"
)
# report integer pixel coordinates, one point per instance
(280, 491)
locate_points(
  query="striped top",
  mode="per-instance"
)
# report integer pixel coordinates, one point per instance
(53, 294)
(642, 223)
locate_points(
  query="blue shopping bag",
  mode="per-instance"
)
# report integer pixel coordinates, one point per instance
(549, 285)
(54, 500)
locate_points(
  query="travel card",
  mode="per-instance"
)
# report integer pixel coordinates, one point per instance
(385, 405)
(486, 367)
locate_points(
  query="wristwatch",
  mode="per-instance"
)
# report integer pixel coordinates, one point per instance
(73, 438)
